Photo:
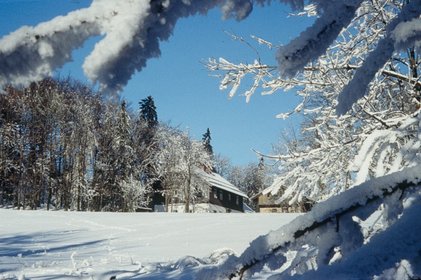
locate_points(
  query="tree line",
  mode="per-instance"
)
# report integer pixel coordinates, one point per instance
(65, 146)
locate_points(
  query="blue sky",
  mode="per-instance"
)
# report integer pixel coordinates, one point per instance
(185, 94)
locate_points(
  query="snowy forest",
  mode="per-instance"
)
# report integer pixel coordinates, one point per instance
(357, 153)
(65, 146)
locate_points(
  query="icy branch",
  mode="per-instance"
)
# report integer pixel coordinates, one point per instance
(358, 86)
(132, 31)
(314, 41)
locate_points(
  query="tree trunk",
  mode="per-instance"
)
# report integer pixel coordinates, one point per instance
(413, 63)
(187, 191)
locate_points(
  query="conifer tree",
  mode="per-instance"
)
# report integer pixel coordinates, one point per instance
(146, 147)
(146, 127)
(206, 140)
(148, 112)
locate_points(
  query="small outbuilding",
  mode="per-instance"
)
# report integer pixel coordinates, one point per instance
(267, 203)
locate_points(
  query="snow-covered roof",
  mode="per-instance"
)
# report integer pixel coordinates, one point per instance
(220, 182)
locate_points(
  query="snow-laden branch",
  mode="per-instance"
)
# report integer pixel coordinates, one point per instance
(316, 165)
(131, 32)
(32, 53)
(234, 74)
(264, 247)
(314, 41)
(326, 212)
(407, 33)
(358, 86)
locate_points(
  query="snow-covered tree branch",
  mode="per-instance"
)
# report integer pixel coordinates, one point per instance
(316, 165)
(131, 33)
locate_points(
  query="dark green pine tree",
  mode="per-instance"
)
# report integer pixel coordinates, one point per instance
(147, 147)
(148, 112)
(206, 140)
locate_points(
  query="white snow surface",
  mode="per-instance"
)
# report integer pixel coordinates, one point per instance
(86, 245)
(83, 245)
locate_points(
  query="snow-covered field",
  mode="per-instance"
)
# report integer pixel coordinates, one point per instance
(81, 245)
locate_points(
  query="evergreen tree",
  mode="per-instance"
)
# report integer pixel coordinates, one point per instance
(206, 140)
(148, 112)
(146, 147)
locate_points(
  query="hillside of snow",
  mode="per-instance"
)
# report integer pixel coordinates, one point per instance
(85, 245)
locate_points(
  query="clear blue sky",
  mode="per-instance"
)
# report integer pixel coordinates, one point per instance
(185, 94)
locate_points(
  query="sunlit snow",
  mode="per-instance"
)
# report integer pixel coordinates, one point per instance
(65, 245)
